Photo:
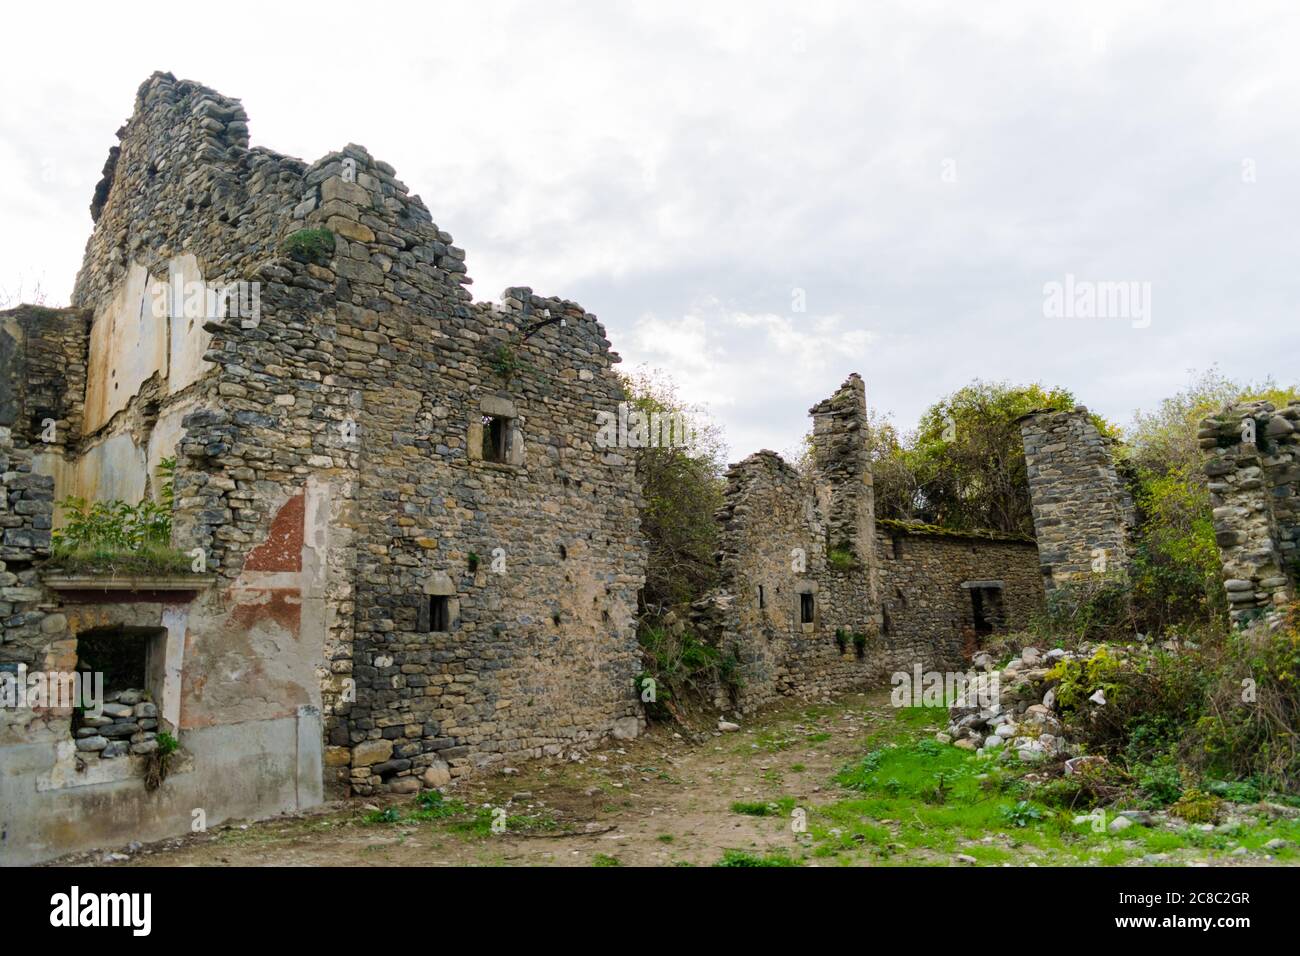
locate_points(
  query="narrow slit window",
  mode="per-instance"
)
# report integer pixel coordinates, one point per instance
(805, 609)
(496, 438)
(439, 614)
(762, 598)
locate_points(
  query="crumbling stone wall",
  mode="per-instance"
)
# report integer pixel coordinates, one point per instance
(887, 596)
(792, 544)
(773, 557)
(26, 515)
(1082, 511)
(1254, 482)
(338, 440)
(927, 576)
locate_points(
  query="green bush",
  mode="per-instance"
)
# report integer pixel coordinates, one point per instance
(1096, 608)
(113, 536)
(309, 245)
(681, 666)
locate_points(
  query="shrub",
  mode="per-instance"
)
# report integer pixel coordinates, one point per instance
(1097, 608)
(1161, 782)
(108, 536)
(1247, 728)
(681, 665)
(309, 245)
(1196, 806)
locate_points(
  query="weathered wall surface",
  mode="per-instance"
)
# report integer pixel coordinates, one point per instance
(926, 578)
(1254, 482)
(368, 377)
(332, 468)
(773, 552)
(1082, 510)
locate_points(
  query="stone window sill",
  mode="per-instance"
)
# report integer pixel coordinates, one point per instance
(64, 775)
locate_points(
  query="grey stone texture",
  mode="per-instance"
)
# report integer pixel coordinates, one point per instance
(1083, 514)
(1253, 474)
(419, 546)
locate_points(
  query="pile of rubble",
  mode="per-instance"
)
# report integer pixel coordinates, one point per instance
(127, 723)
(1012, 710)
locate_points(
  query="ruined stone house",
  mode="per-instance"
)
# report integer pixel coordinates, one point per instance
(817, 596)
(416, 559)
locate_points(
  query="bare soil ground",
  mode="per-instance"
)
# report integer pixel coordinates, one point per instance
(668, 798)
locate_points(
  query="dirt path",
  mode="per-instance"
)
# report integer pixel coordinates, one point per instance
(658, 801)
(690, 798)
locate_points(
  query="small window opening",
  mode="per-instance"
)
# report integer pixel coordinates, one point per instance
(762, 598)
(805, 609)
(435, 615)
(564, 553)
(130, 661)
(496, 438)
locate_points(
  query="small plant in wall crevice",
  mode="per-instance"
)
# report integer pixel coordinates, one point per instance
(158, 763)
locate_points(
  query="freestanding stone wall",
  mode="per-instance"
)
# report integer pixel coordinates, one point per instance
(1254, 482)
(1082, 511)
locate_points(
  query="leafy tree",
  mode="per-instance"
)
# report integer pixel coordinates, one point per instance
(964, 465)
(1176, 566)
(682, 487)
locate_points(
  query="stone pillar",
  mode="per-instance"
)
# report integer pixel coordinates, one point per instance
(842, 470)
(1254, 482)
(1082, 511)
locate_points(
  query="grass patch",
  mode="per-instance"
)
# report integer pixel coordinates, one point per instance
(741, 858)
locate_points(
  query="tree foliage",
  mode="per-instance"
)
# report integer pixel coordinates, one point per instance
(682, 488)
(1176, 566)
(963, 467)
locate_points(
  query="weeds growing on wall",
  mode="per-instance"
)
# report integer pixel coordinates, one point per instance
(113, 536)
(682, 668)
(309, 245)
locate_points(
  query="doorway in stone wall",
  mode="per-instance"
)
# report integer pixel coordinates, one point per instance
(986, 610)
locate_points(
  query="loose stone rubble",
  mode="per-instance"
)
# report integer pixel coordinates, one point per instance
(1010, 713)
(128, 724)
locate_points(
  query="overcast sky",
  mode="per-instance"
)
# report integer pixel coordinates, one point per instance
(912, 175)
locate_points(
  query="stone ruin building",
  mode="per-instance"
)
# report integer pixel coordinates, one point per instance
(817, 596)
(413, 556)
(417, 558)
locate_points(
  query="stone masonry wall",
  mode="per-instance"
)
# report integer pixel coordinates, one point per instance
(31, 629)
(1081, 508)
(886, 597)
(339, 440)
(928, 615)
(1254, 482)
